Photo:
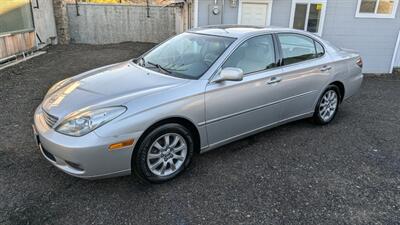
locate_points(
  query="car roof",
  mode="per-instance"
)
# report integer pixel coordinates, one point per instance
(236, 31)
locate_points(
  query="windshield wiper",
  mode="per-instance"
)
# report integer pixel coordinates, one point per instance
(160, 67)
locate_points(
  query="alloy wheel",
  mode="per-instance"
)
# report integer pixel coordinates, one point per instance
(167, 154)
(328, 105)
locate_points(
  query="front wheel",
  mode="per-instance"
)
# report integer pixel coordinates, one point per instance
(163, 154)
(327, 106)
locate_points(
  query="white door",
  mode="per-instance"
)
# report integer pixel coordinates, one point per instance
(254, 12)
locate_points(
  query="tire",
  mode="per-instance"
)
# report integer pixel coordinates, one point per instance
(332, 106)
(155, 163)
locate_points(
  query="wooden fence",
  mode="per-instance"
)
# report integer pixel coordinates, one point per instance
(16, 43)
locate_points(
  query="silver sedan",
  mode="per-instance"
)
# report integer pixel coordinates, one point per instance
(195, 92)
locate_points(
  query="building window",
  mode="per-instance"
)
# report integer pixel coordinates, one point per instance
(15, 16)
(377, 8)
(308, 15)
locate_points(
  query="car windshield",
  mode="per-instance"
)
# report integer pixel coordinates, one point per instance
(187, 55)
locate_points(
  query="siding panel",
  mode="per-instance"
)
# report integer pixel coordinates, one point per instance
(229, 14)
(281, 13)
(374, 38)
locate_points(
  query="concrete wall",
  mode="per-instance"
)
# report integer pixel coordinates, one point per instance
(45, 25)
(102, 24)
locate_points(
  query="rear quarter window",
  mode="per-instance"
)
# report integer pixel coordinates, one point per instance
(319, 49)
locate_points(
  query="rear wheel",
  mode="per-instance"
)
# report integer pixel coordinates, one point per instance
(327, 106)
(164, 153)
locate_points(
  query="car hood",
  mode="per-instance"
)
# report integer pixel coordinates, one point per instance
(107, 86)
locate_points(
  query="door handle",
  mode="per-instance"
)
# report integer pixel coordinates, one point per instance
(274, 80)
(325, 68)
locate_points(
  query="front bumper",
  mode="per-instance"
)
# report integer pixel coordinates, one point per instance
(85, 157)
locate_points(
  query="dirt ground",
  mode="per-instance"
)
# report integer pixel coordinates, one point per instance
(345, 173)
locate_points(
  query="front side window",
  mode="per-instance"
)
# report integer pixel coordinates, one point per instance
(255, 54)
(377, 8)
(297, 48)
(308, 15)
(187, 55)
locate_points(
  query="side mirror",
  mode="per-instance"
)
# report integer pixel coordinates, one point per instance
(229, 74)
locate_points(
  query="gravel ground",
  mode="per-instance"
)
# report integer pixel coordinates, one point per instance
(343, 173)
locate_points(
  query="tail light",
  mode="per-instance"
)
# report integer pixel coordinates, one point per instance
(359, 62)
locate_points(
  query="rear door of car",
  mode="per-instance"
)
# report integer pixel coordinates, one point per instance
(234, 108)
(306, 70)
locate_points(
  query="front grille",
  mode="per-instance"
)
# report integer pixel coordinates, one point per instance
(49, 119)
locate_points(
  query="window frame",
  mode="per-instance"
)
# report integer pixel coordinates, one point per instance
(375, 14)
(281, 59)
(316, 51)
(277, 54)
(309, 2)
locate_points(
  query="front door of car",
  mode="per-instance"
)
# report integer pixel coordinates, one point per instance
(234, 108)
(305, 72)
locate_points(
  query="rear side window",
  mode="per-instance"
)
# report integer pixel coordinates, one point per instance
(297, 48)
(255, 54)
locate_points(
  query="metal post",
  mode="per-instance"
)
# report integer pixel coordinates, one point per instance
(77, 8)
(40, 40)
(148, 8)
(33, 21)
(37, 5)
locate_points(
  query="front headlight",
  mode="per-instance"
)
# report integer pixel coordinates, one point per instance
(82, 123)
